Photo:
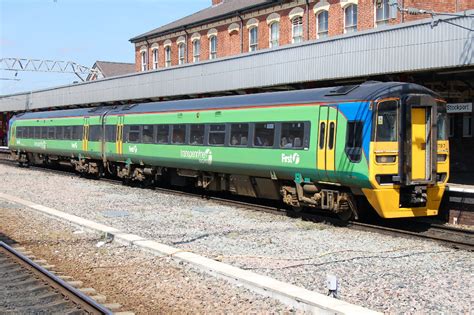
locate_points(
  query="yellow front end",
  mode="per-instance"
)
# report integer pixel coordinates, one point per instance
(385, 197)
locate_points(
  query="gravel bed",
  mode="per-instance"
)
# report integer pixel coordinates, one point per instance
(139, 281)
(384, 273)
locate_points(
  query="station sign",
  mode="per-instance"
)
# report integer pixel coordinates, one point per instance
(453, 108)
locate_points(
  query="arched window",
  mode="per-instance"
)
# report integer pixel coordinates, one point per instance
(143, 60)
(213, 47)
(181, 53)
(322, 24)
(168, 56)
(196, 50)
(275, 34)
(297, 29)
(154, 54)
(350, 18)
(384, 11)
(253, 39)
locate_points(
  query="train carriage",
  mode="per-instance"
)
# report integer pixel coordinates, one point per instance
(328, 148)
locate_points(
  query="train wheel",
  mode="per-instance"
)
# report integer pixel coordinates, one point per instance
(346, 215)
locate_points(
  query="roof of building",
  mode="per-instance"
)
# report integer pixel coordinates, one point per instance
(368, 91)
(112, 69)
(221, 10)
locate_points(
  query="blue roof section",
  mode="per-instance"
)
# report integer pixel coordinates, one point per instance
(367, 91)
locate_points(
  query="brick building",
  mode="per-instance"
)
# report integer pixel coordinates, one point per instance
(231, 27)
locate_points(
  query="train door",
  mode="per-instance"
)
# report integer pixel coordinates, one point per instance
(327, 142)
(85, 134)
(421, 136)
(119, 136)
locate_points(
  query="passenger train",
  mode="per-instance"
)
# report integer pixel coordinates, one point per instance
(327, 148)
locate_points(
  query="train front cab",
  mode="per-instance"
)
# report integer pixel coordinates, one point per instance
(409, 156)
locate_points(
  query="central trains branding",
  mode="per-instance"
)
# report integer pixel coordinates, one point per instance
(290, 158)
(204, 157)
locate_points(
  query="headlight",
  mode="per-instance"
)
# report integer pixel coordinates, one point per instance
(386, 158)
(442, 157)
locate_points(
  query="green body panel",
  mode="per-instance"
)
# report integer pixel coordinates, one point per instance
(233, 160)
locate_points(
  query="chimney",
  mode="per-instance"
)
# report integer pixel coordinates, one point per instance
(216, 2)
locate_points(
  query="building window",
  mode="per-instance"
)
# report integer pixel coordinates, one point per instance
(181, 53)
(213, 47)
(275, 34)
(297, 29)
(467, 125)
(384, 11)
(196, 50)
(143, 59)
(322, 24)
(253, 39)
(350, 14)
(155, 58)
(168, 56)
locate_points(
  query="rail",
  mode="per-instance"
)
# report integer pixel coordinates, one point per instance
(23, 280)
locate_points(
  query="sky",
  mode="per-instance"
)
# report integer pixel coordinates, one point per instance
(82, 31)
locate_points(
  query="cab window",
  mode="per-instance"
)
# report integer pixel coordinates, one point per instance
(442, 121)
(386, 121)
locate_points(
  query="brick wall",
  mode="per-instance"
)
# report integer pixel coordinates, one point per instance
(229, 43)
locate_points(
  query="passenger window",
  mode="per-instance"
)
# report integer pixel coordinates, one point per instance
(95, 133)
(162, 134)
(59, 132)
(292, 135)
(239, 134)
(386, 121)
(197, 135)
(77, 132)
(354, 140)
(179, 134)
(331, 136)
(110, 133)
(133, 134)
(216, 134)
(147, 134)
(322, 134)
(50, 133)
(36, 132)
(67, 132)
(264, 135)
(19, 132)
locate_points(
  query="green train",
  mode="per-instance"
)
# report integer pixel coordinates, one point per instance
(328, 148)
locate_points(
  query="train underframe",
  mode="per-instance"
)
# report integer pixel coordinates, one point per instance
(296, 194)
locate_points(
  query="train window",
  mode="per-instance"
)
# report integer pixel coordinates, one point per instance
(148, 133)
(19, 132)
(59, 132)
(386, 121)
(51, 132)
(264, 135)
(442, 121)
(196, 135)
(239, 134)
(162, 134)
(133, 134)
(322, 134)
(354, 140)
(331, 136)
(217, 134)
(95, 133)
(292, 135)
(44, 132)
(179, 134)
(77, 132)
(110, 133)
(37, 132)
(67, 132)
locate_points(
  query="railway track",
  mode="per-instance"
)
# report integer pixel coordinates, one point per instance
(27, 288)
(446, 235)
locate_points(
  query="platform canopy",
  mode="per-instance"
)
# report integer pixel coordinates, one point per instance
(404, 48)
